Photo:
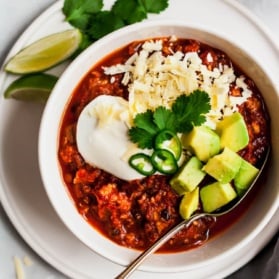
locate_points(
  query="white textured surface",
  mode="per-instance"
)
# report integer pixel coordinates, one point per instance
(267, 10)
(15, 16)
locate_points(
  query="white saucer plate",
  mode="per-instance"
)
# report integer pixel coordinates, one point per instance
(21, 191)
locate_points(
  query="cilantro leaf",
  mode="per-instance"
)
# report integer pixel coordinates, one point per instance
(144, 131)
(190, 110)
(130, 11)
(81, 6)
(155, 6)
(103, 23)
(145, 121)
(77, 11)
(186, 112)
(86, 42)
(79, 22)
(141, 137)
(164, 119)
(137, 15)
(94, 22)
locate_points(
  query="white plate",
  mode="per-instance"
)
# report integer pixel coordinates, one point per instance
(22, 193)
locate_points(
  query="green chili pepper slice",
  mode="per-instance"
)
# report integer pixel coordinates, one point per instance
(164, 161)
(142, 163)
(168, 140)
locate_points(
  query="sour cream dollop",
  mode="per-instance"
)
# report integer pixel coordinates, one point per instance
(102, 136)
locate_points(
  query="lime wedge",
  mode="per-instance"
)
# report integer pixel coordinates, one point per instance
(32, 88)
(45, 53)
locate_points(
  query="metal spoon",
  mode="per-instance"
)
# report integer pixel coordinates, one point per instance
(184, 224)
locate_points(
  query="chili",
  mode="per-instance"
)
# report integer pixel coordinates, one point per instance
(135, 213)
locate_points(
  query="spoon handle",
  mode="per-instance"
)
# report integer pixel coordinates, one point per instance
(134, 264)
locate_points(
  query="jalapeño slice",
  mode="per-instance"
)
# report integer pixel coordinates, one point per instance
(164, 161)
(142, 163)
(169, 141)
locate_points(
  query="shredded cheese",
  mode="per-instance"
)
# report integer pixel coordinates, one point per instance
(27, 261)
(19, 268)
(155, 80)
(107, 112)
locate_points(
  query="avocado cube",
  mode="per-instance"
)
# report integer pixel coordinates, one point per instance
(224, 166)
(189, 203)
(202, 142)
(188, 177)
(233, 132)
(178, 189)
(216, 195)
(245, 177)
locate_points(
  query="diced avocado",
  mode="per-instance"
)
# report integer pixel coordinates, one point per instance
(178, 189)
(188, 177)
(245, 176)
(202, 141)
(233, 132)
(224, 166)
(216, 195)
(189, 203)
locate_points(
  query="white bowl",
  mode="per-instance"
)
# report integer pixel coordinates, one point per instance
(240, 233)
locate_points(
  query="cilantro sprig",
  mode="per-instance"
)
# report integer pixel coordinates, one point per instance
(94, 22)
(186, 112)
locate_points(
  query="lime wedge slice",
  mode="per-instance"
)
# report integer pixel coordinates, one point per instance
(45, 53)
(31, 88)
